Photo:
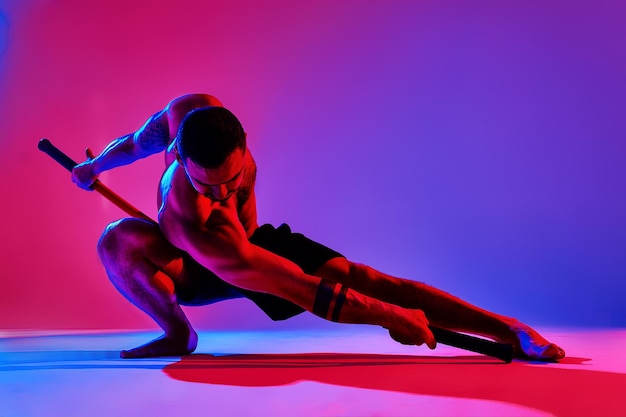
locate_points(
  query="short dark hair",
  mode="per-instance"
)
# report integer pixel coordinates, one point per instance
(208, 135)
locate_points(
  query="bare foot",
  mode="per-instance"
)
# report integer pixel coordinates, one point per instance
(164, 346)
(530, 345)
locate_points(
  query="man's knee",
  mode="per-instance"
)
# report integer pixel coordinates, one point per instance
(125, 237)
(343, 271)
(360, 277)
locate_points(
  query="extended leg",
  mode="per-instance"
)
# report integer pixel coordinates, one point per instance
(441, 309)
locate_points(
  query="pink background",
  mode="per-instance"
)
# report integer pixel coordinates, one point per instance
(477, 146)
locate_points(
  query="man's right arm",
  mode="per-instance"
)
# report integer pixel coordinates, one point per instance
(153, 137)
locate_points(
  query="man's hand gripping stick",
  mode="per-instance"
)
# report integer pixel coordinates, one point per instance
(68, 163)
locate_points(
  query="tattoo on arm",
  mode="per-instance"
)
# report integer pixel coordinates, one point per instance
(327, 294)
(154, 134)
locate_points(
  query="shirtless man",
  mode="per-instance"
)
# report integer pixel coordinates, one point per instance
(207, 228)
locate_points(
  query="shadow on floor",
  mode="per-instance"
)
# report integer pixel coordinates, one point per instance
(543, 387)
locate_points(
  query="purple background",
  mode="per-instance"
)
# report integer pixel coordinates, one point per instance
(477, 146)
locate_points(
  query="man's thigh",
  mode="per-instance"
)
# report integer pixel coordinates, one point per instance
(193, 284)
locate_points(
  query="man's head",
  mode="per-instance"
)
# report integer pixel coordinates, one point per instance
(209, 135)
(211, 146)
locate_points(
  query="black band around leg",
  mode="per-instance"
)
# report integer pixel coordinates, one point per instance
(341, 297)
(323, 298)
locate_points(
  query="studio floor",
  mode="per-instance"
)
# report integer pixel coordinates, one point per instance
(351, 371)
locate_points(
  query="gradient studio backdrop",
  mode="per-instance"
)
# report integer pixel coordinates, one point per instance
(477, 146)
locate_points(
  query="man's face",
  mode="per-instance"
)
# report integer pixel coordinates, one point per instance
(219, 183)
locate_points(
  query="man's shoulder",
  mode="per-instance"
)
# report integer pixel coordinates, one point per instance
(184, 104)
(177, 109)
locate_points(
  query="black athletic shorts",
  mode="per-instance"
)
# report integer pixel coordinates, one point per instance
(302, 251)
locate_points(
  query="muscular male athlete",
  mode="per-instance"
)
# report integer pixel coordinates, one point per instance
(208, 246)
